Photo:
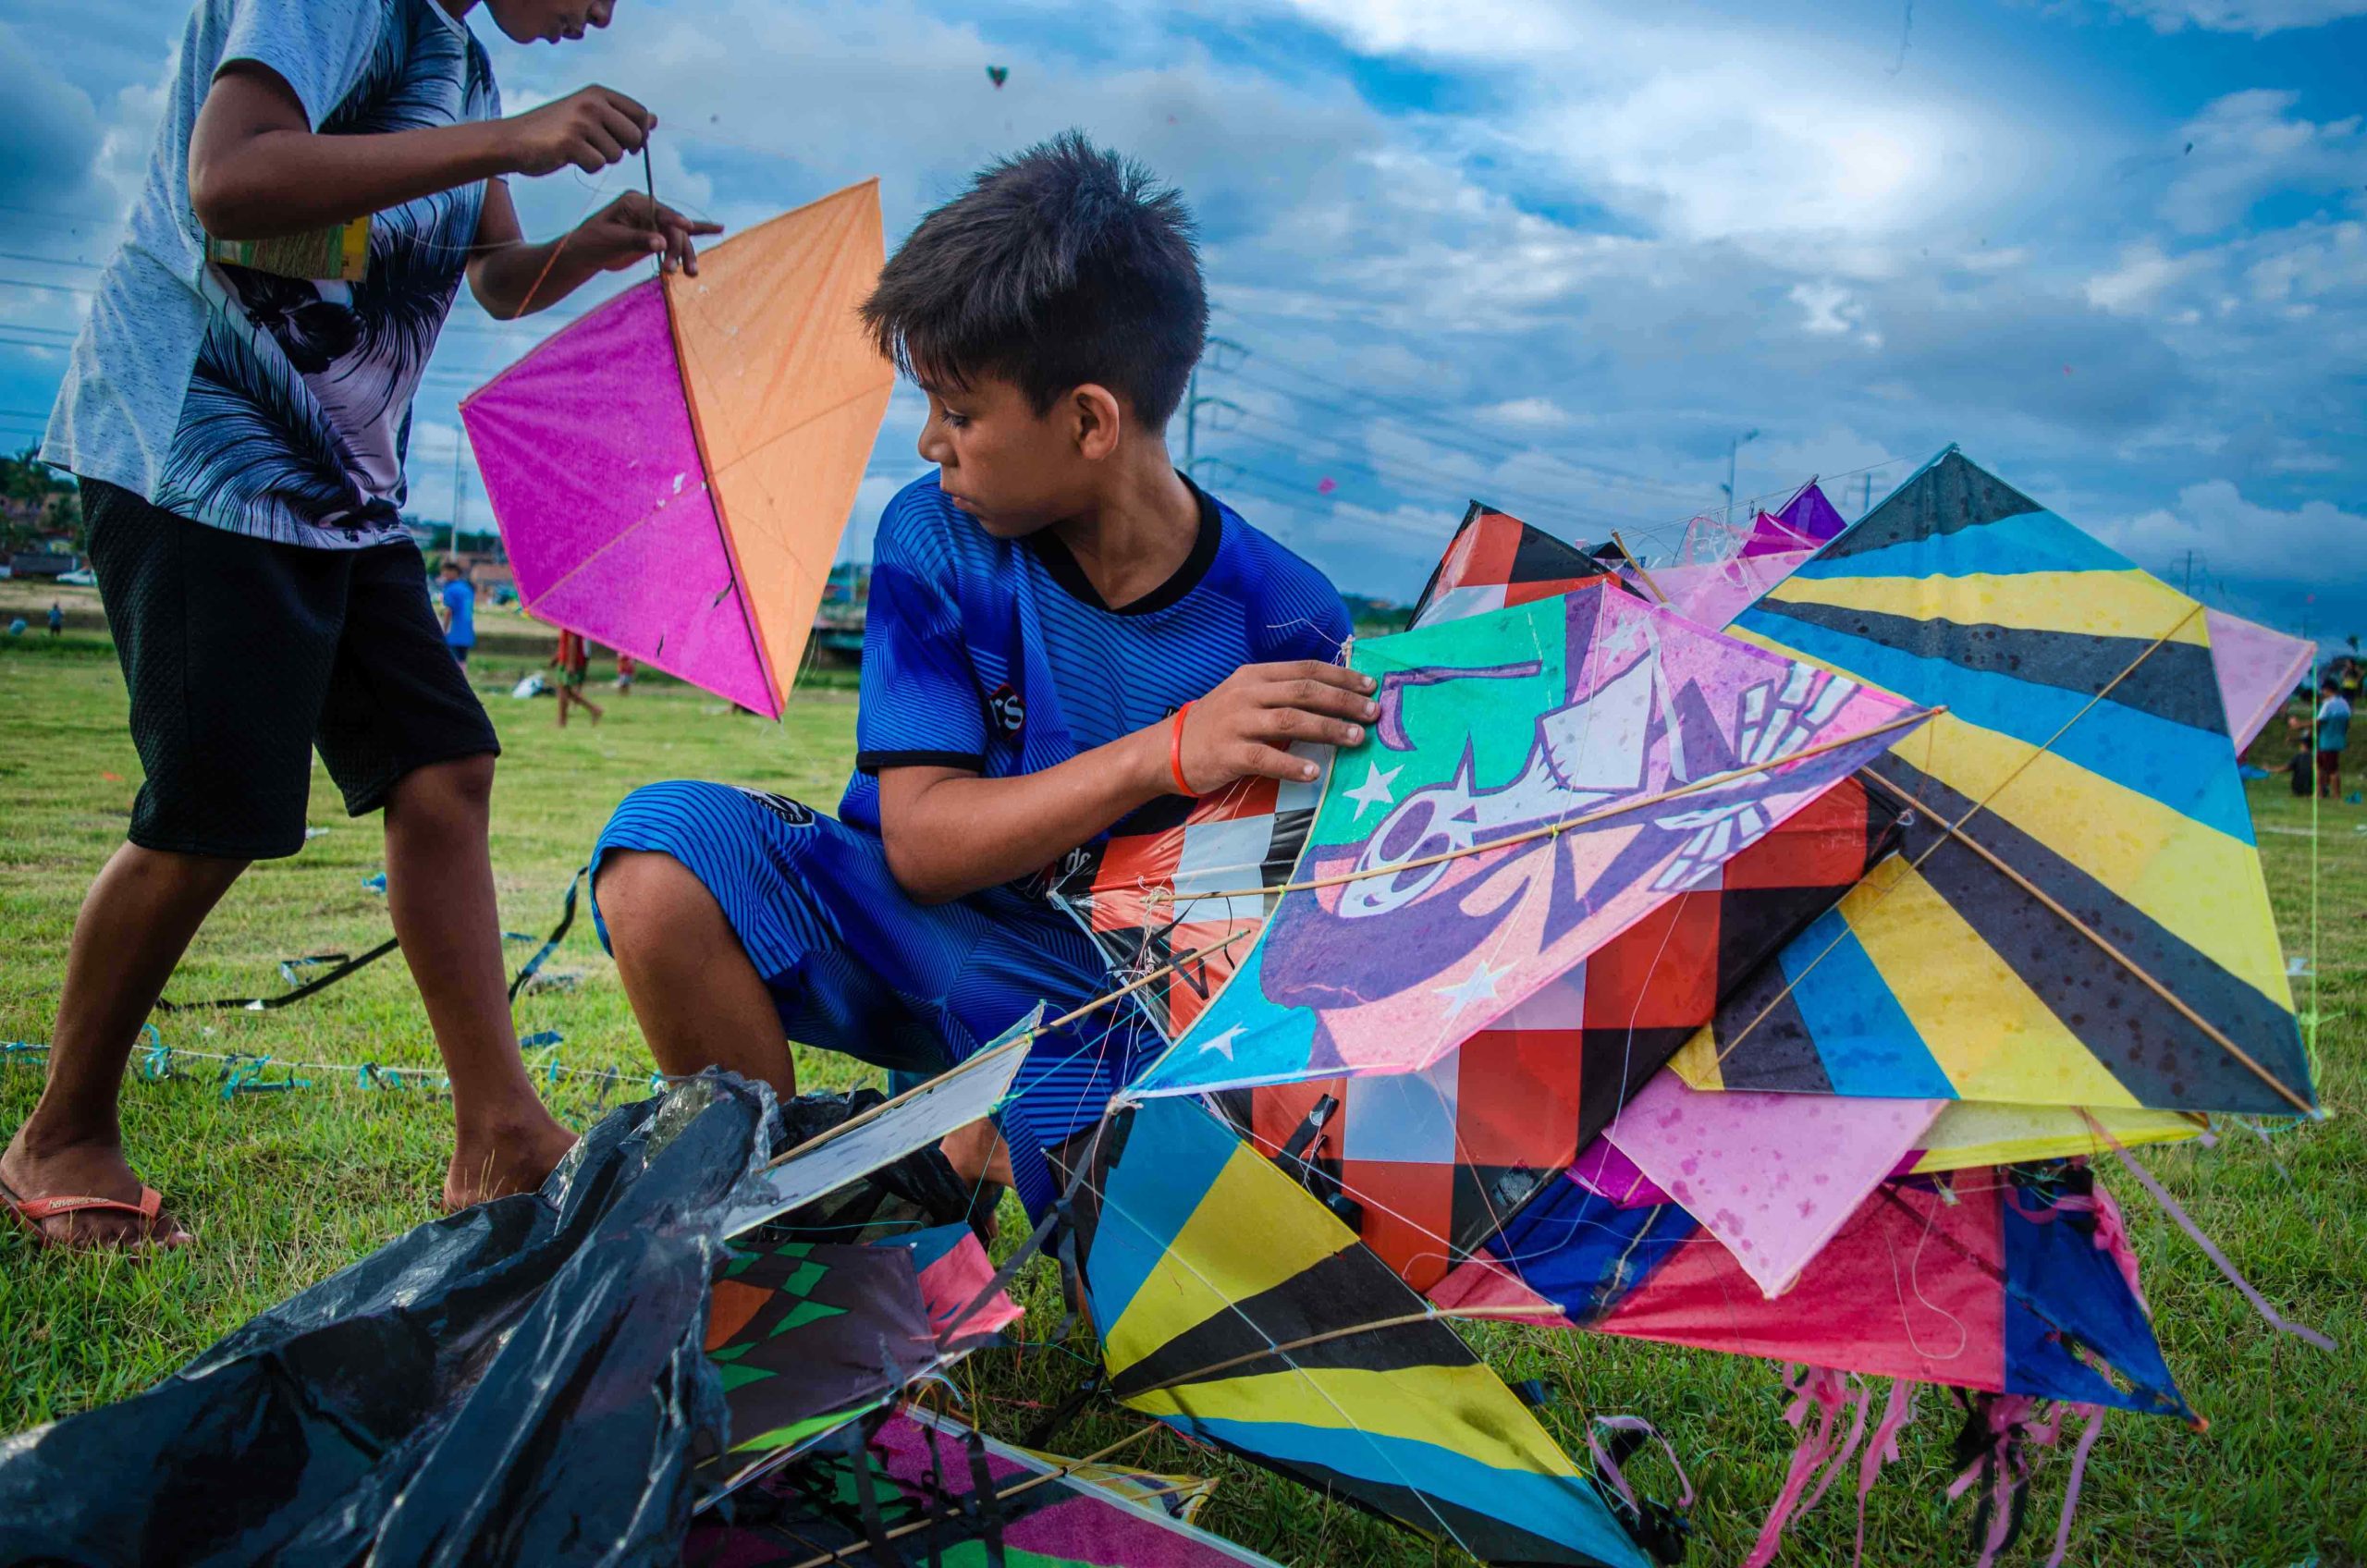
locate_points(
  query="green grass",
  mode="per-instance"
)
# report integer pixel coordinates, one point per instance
(285, 1188)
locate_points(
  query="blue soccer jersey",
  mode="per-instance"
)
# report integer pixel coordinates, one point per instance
(998, 655)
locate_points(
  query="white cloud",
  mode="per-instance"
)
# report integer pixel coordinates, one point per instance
(1827, 308)
(2131, 287)
(2249, 145)
(2259, 17)
(2241, 538)
(1527, 413)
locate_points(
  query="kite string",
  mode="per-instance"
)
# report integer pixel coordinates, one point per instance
(1892, 883)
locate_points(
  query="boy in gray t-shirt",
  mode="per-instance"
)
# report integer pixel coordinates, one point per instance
(237, 408)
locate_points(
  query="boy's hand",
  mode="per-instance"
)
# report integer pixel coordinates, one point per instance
(1244, 727)
(628, 229)
(591, 129)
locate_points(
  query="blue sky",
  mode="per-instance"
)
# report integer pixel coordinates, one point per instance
(1549, 252)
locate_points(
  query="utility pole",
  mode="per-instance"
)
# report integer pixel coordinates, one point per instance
(1867, 505)
(2187, 587)
(1732, 449)
(454, 546)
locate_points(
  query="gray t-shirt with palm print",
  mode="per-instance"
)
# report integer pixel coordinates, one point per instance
(263, 404)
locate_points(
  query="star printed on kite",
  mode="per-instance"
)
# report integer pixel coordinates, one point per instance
(1478, 985)
(1221, 1042)
(1374, 790)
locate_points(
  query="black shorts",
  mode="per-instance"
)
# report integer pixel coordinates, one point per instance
(244, 654)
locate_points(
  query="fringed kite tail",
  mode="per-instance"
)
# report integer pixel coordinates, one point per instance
(1995, 1448)
(1883, 1449)
(1821, 1452)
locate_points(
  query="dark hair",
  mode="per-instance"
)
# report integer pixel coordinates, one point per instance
(1062, 265)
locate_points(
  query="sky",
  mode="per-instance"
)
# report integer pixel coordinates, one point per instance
(1554, 254)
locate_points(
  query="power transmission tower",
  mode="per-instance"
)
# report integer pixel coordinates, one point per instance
(1193, 401)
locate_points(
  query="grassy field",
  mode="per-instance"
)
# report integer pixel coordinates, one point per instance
(283, 1188)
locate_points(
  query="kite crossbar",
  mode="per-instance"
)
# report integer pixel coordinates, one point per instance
(1956, 830)
(1582, 819)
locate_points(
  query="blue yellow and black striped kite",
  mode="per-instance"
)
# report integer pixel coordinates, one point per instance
(2077, 915)
(1235, 1307)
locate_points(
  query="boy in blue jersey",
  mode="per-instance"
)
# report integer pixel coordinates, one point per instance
(1061, 629)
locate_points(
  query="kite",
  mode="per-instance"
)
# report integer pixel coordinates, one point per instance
(1495, 559)
(1539, 779)
(1712, 592)
(998, 75)
(2258, 669)
(1139, 894)
(1434, 1161)
(921, 1489)
(1235, 1308)
(1325, 485)
(2017, 1280)
(2079, 916)
(1806, 521)
(671, 470)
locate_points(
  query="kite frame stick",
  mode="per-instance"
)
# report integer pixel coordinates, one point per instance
(1018, 1042)
(1956, 831)
(1067, 1468)
(1640, 569)
(864, 1119)
(1976, 808)
(1563, 825)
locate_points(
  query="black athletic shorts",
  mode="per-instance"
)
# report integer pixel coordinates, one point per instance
(243, 655)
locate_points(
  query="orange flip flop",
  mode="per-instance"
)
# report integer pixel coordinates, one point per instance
(37, 1212)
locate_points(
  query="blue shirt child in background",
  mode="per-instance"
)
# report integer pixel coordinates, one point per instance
(458, 610)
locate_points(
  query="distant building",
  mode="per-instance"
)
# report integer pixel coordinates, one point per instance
(488, 576)
(42, 563)
(846, 597)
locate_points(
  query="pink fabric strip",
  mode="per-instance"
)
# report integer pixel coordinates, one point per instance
(2095, 1413)
(1609, 1466)
(1828, 1392)
(1883, 1450)
(2210, 1249)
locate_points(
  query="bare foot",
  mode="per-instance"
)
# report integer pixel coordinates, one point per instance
(493, 1162)
(86, 1170)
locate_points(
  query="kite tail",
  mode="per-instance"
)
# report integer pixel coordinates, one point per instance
(1821, 1452)
(2000, 1431)
(2185, 1221)
(1660, 1528)
(1883, 1448)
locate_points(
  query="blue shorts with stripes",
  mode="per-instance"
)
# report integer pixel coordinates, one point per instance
(855, 965)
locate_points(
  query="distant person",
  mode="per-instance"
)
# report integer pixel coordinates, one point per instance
(238, 431)
(17, 626)
(56, 619)
(574, 659)
(626, 670)
(2334, 733)
(458, 610)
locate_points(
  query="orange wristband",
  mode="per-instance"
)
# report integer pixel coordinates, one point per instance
(1175, 753)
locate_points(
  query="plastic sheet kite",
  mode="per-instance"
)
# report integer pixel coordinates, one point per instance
(1539, 779)
(671, 472)
(2079, 918)
(1235, 1308)
(2017, 1280)
(1804, 521)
